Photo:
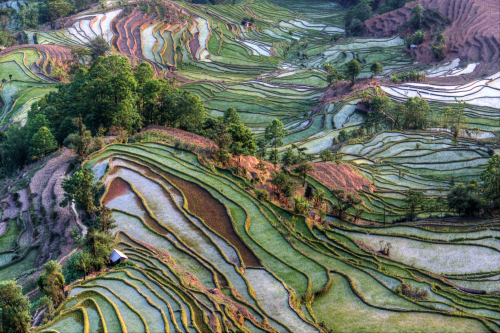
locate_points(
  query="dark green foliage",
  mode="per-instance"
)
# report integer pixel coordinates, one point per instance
(353, 69)
(438, 48)
(416, 294)
(416, 15)
(71, 270)
(52, 282)
(289, 158)
(376, 68)
(391, 5)
(125, 264)
(25, 18)
(416, 38)
(14, 309)
(274, 134)
(261, 194)
(43, 142)
(356, 15)
(465, 199)
(491, 180)
(99, 47)
(115, 95)
(408, 76)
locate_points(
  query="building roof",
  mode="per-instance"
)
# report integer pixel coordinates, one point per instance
(117, 255)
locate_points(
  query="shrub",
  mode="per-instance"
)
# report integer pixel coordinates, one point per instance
(261, 194)
(126, 264)
(407, 291)
(416, 38)
(407, 76)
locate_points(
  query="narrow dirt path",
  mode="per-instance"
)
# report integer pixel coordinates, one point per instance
(78, 220)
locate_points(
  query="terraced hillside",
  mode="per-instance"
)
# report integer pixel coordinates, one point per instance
(251, 269)
(207, 252)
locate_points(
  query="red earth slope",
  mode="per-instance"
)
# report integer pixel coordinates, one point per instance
(474, 32)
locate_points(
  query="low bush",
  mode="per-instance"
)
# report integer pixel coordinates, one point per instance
(261, 194)
(416, 294)
(125, 264)
(416, 38)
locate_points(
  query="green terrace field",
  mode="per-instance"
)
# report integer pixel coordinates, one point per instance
(255, 271)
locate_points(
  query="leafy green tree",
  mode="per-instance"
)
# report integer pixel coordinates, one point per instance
(48, 304)
(80, 188)
(14, 308)
(464, 199)
(105, 221)
(231, 117)
(275, 132)
(377, 69)
(345, 200)
(182, 110)
(413, 201)
(417, 13)
(14, 149)
(81, 141)
(303, 169)
(491, 180)
(289, 158)
(353, 69)
(52, 282)
(243, 139)
(326, 155)
(356, 15)
(319, 197)
(99, 47)
(301, 205)
(417, 113)
(42, 142)
(85, 263)
(438, 47)
(99, 245)
(35, 124)
(280, 181)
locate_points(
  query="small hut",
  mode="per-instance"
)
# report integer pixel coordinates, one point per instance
(116, 257)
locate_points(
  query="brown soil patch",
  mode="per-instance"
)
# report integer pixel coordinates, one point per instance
(342, 176)
(186, 137)
(474, 33)
(194, 44)
(343, 89)
(201, 203)
(250, 164)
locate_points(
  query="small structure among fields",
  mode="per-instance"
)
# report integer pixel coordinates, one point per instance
(117, 257)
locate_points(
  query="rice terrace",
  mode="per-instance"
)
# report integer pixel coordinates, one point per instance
(249, 166)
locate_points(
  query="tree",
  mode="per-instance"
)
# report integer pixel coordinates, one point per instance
(438, 47)
(352, 70)
(303, 169)
(275, 132)
(417, 112)
(231, 117)
(81, 189)
(318, 197)
(261, 166)
(244, 142)
(105, 221)
(300, 150)
(326, 155)
(345, 200)
(14, 308)
(23, 18)
(289, 158)
(491, 180)
(416, 13)
(99, 47)
(301, 205)
(99, 245)
(376, 68)
(48, 304)
(81, 141)
(464, 199)
(280, 181)
(356, 15)
(414, 200)
(35, 124)
(85, 263)
(42, 142)
(52, 282)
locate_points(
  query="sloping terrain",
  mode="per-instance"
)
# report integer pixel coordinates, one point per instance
(473, 34)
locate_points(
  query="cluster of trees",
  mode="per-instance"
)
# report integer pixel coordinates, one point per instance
(471, 199)
(230, 135)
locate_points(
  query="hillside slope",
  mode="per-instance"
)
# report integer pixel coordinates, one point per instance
(474, 34)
